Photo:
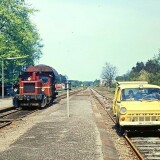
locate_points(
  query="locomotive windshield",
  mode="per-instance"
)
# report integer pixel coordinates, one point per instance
(140, 94)
(44, 79)
(25, 77)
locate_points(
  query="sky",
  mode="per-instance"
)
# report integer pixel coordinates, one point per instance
(80, 36)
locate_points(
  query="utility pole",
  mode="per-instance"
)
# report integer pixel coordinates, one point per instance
(10, 58)
(2, 78)
(68, 87)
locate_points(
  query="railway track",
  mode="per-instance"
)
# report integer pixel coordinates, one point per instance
(8, 118)
(145, 145)
(149, 147)
(105, 102)
(5, 113)
(8, 115)
(63, 95)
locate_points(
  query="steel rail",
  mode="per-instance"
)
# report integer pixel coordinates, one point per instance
(3, 114)
(8, 121)
(5, 121)
(138, 154)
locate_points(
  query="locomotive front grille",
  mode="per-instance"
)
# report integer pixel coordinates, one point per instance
(29, 88)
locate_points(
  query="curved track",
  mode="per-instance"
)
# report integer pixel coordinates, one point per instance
(105, 102)
(145, 145)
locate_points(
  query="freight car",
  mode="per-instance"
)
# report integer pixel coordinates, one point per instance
(136, 106)
(36, 87)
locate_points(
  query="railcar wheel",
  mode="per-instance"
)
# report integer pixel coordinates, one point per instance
(119, 127)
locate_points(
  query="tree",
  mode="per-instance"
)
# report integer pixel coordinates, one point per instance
(87, 83)
(143, 76)
(62, 78)
(18, 36)
(108, 73)
(139, 67)
(150, 71)
(75, 83)
(124, 77)
(96, 82)
(154, 78)
(152, 66)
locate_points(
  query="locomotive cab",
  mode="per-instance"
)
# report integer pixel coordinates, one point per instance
(36, 87)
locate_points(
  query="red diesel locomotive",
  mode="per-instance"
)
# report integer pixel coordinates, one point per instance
(36, 87)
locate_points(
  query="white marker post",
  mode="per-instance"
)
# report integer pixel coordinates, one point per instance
(67, 87)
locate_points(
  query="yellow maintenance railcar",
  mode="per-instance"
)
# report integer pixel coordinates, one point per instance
(136, 106)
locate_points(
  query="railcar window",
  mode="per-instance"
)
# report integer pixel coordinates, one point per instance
(140, 94)
(29, 88)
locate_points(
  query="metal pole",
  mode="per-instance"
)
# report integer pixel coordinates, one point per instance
(2, 78)
(68, 99)
(3, 71)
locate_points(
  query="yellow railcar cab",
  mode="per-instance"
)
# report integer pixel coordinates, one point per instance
(137, 103)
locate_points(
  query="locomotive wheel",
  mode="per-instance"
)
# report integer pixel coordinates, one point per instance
(16, 103)
(44, 102)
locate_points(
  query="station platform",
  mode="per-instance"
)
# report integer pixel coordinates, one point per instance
(5, 103)
(54, 136)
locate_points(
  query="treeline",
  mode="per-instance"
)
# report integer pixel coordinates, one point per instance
(76, 83)
(149, 71)
(18, 38)
(20, 42)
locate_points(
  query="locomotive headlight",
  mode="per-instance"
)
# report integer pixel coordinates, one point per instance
(43, 89)
(123, 110)
(15, 89)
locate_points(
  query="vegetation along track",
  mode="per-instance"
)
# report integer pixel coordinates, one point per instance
(120, 140)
